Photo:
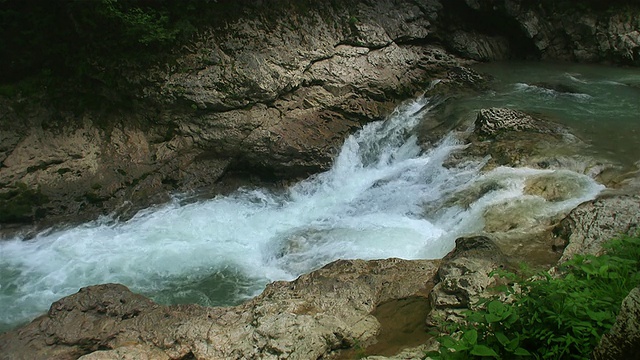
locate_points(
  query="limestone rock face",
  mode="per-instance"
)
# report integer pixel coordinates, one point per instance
(623, 340)
(548, 30)
(463, 277)
(591, 224)
(272, 94)
(480, 47)
(309, 318)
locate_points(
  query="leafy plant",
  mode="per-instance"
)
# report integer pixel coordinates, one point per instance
(549, 317)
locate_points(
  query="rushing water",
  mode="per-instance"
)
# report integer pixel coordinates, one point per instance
(371, 204)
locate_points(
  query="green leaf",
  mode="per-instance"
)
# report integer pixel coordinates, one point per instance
(482, 350)
(447, 341)
(513, 344)
(495, 307)
(471, 336)
(521, 352)
(492, 318)
(502, 338)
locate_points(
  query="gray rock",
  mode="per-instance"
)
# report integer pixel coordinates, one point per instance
(463, 277)
(309, 318)
(493, 121)
(593, 223)
(479, 47)
(623, 340)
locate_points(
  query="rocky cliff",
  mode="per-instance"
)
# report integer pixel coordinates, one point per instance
(269, 94)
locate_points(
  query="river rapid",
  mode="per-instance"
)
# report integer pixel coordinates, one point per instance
(375, 202)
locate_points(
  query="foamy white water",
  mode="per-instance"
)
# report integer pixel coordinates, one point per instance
(370, 205)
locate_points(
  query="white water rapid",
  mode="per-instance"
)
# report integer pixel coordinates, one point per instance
(372, 204)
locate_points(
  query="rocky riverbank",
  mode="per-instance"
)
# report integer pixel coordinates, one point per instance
(269, 99)
(332, 309)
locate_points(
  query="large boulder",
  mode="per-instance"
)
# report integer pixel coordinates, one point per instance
(312, 317)
(463, 277)
(593, 223)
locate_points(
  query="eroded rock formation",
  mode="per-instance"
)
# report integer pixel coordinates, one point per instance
(270, 94)
(309, 318)
(623, 341)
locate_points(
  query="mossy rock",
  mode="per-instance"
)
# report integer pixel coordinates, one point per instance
(21, 204)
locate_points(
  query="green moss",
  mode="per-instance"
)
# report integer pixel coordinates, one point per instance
(21, 204)
(94, 198)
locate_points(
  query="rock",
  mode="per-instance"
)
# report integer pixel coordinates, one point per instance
(555, 30)
(135, 352)
(623, 340)
(490, 123)
(554, 187)
(463, 276)
(479, 47)
(507, 137)
(271, 94)
(311, 317)
(593, 223)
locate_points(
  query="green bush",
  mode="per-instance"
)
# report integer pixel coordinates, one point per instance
(548, 317)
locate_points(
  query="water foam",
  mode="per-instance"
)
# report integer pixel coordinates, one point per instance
(372, 204)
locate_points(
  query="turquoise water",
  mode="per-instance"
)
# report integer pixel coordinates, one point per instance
(600, 104)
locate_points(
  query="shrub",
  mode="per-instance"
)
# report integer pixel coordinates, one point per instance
(549, 317)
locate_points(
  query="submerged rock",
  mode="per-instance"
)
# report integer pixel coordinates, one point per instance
(312, 317)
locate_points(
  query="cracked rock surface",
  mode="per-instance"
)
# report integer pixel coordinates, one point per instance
(272, 94)
(309, 318)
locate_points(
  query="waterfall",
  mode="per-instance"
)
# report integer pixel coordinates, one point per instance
(384, 197)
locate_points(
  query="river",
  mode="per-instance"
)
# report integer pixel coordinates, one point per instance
(371, 204)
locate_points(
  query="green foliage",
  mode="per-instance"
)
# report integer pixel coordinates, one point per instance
(83, 40)
(549, 317)
(144, 26)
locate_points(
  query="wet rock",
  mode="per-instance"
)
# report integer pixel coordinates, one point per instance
(623, 340)
(558, 87)
(490, 123)
(463, 276)
(311, 317)
(507, 137)
(554, 187)
(591, 224)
